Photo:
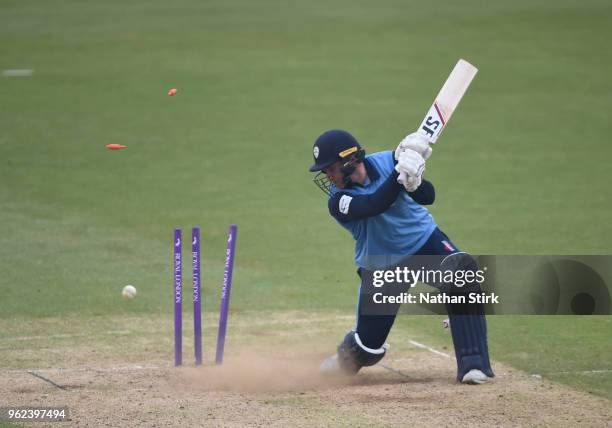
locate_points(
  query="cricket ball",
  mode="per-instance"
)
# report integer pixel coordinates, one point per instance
(128, 292)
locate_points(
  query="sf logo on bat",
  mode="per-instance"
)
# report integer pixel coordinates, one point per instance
(433, 122)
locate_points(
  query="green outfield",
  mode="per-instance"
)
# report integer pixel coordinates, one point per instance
(523, 168)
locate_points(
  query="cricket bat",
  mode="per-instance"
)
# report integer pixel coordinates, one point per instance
(446, 102)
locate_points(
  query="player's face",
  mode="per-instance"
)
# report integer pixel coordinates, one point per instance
(335, 175)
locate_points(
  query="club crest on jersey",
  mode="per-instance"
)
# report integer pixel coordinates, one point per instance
(315, 152)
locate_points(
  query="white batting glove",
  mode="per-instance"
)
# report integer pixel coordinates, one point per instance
(410, 163)
(411, 183)
(411, 166)
(415, 142)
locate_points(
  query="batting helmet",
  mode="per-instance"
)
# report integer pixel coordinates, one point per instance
(335, 145)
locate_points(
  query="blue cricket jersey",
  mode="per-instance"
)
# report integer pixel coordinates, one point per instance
(386, 222)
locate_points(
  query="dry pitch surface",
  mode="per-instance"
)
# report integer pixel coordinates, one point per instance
(108, 376)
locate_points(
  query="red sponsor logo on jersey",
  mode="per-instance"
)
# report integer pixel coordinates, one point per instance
(448, 246)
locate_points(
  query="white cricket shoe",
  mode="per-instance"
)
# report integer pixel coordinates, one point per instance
(475, 377)
(330, 365)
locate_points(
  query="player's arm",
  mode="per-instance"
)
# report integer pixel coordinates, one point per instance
(425, 194)
(344, 207)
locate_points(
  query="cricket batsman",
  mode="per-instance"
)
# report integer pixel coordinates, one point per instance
(391, 225)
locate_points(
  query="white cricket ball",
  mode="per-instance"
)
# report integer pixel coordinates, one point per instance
(128, 292)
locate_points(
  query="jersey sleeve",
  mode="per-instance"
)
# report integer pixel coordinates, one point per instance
(345, 207)
(425, 194)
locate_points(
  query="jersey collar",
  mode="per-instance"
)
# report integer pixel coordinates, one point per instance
(373, 174)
